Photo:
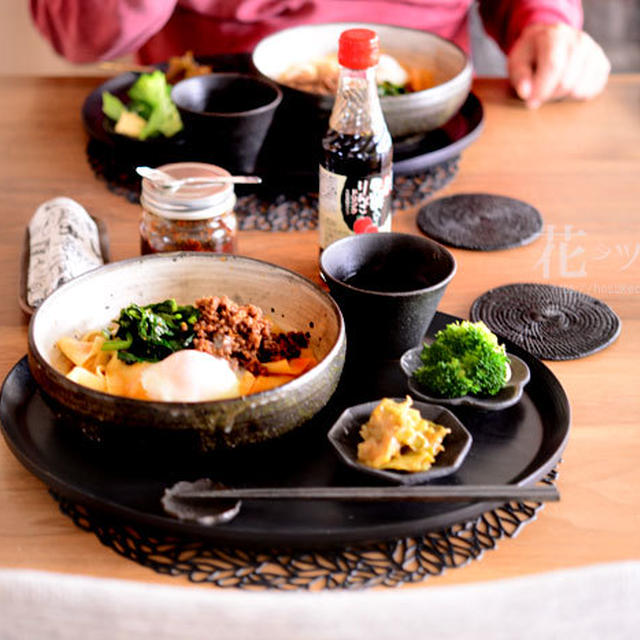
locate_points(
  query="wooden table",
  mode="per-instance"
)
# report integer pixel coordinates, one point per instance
(579, 164)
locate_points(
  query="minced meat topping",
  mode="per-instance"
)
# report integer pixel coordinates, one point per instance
(242, 335)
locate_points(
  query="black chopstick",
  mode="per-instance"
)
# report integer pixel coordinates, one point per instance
(436, 493)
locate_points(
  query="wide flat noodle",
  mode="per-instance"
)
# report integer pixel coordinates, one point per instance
(86, 378)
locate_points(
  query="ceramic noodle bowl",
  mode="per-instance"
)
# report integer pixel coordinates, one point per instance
(92, 300)
(406, 114)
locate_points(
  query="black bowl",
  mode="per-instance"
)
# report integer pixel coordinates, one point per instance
(388, 287)
(226, 117)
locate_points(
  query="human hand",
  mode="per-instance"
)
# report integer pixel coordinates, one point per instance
(556, 61)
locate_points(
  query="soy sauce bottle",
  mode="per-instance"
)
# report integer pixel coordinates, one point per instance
(355, 168)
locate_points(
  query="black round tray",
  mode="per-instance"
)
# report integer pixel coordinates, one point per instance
(517, 445)
(290, 154)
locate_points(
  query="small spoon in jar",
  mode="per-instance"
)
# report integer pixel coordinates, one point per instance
(165, 181)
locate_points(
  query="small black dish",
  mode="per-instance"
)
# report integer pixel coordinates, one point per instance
(506, 397)
(345, 436)
(153, 151)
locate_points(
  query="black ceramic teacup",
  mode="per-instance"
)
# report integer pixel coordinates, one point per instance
(226, 117)
(388, 287)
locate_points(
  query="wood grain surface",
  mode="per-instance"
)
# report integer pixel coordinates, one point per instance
(578, 163)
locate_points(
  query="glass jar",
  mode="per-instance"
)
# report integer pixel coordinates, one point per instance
(193, 218)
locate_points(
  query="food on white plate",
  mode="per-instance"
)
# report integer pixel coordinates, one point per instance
(320, 75)
(396, 436)
(211, 350)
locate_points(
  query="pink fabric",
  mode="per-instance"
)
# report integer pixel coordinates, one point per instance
(505, 20)
(88, 30)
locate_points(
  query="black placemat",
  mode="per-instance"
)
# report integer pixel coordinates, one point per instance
(265, 208)
(389, 564)
(550, 322)
(480, 221)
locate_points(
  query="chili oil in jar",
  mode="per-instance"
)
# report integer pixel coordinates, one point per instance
(196, 217)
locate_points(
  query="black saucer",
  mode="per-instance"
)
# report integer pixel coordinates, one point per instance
(291, 151)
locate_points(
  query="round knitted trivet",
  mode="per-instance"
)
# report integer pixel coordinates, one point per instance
(550, 322)
(269, 209)
(480, 221)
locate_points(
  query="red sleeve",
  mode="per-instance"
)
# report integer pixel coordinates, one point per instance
(89, 30)
(504, 20)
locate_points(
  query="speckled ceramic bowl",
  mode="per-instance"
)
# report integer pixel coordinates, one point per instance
(93, 299)
(405, 114)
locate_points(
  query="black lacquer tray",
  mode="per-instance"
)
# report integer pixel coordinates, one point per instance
(517, 445)
(291, 150)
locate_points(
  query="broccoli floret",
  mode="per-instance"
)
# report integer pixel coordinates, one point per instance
(464, 358)
(150, 108)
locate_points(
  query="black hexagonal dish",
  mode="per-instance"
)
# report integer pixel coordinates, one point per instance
(345, 436)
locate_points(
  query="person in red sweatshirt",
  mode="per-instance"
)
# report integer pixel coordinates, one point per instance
(548, 55)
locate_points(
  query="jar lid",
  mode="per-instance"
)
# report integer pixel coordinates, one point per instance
(190, 201)
(358, 48)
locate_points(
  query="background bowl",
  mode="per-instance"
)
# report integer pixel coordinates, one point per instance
(407, 114)
(388, 286)
(95, 298)
(226, 117)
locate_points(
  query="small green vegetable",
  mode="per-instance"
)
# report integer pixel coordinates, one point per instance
(112, 106)
(464, 358)
(150, 99)
(152, 332)
(387, 88)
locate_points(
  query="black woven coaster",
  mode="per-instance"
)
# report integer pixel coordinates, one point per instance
(268, 209)
(550, 322)
(480, 221)
(389, 564)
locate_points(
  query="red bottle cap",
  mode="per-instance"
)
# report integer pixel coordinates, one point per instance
(358, 48)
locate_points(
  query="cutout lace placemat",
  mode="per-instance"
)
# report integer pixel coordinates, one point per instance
(268, 209)
(389, 564)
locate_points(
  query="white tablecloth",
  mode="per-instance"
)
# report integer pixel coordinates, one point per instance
(596, 602)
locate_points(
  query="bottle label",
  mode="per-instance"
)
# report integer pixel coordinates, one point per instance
(349, 205)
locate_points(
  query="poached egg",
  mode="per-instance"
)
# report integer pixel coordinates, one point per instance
(190, 376)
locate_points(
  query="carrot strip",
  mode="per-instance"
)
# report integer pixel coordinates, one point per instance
(263, 383)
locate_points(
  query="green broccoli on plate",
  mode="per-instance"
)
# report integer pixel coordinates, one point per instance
(465, 358)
